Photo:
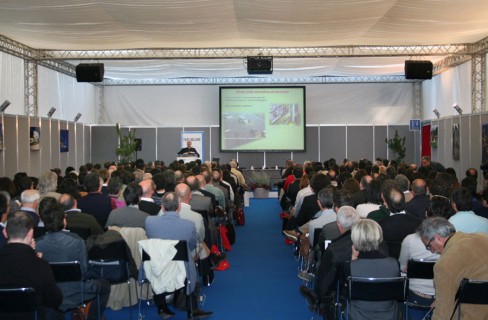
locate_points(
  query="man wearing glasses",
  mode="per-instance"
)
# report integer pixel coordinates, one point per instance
(463, 255)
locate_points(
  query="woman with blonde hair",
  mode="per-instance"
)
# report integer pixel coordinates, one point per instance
(368, 262)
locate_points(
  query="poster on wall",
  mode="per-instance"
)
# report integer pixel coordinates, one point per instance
(1, 136)
(35, 138)
(456, 144)
(434, 136)
(63, 140)
(484, 143)
(196, 140)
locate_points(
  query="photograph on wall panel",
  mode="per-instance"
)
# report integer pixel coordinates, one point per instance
(484, 143)
(434, 136)
(35, 138)
(456, 142)
(63, 140)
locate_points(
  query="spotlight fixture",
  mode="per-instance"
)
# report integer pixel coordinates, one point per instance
(4, 106)
(51, 112)
(78, 116)
(437, 113)
(458, 109)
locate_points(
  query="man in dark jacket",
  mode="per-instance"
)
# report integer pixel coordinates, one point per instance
(337, 252)
(21, 267)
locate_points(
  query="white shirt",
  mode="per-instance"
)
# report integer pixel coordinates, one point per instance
(300, 196)
(326, 216)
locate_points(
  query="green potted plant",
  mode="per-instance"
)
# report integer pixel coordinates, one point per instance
(127, 145)
(397, 146)
(259, 184)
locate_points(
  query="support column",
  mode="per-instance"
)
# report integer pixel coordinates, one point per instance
(478, 83)
(30, 88)
(417, 100)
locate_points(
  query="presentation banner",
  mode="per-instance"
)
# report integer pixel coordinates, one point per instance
(196, 138)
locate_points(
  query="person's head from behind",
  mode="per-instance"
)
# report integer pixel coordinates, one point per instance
(53, 217)
(30, 198)
(439, 206)
(347, 216)
(325, 198)
(114, 186)
(20, 228)
(461, 200)
(170, 202)
(46, 203)
(394, 198)
(92, 182)
(318, 182)
(4, 206)
(132, 194)
(366, 235)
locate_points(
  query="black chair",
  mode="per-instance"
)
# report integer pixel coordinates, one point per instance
(377, 289)
(15, 302)
(111, 262)
(70, 271)
(471, 292)
(182, 254)
(419, 269)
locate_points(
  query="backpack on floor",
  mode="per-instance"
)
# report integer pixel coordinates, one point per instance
(239, 216)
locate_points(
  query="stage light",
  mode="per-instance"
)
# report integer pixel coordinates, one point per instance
(437, 113)
(4, 106)
(51, 112)
(78, 116)
(458, 109)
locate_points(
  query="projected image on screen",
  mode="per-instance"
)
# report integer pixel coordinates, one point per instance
(262, 118)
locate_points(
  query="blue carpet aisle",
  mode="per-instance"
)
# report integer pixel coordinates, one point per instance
(261, 282)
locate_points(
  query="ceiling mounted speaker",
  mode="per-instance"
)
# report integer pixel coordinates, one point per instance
(259, 65)
(418, 70)
(90, 72)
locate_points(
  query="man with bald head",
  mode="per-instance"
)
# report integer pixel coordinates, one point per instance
(183, 192)
(199, 201)
(400, 223)
(420, 201)
(146, 203)
(77, 219)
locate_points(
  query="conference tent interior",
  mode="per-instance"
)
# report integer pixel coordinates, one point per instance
(164, 62)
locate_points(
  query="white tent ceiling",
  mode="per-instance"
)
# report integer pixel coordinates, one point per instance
(206, 24)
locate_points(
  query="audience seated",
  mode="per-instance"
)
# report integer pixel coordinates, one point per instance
(146, 203)
(368, 262)
(77, 219)
(95, 203)
(60, 246)
(130, 216)
(20, 266)
(465, 219)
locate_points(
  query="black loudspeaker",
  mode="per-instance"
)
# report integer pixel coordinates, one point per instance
(259, 65)
(138, 144)
(90, 72)
(421, 70)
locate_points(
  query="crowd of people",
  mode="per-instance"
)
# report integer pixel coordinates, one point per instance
(61, 218)
(369, 218)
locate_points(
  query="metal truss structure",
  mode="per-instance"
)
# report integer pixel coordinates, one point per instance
(455, 54)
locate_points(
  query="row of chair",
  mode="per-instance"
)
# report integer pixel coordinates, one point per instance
(15, 300)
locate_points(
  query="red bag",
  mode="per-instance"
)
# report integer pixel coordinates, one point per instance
(239, 216)
(225, 240)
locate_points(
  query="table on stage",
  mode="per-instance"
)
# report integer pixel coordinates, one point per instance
(186, 159)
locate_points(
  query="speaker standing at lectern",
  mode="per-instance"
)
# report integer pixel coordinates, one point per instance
(189, 151)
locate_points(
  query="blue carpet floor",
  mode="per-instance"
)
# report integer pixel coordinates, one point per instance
(261, 282)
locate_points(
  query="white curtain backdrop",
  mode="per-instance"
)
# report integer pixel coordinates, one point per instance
(190, 106)
(67, 96)
(443, 91)
(12, 83)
